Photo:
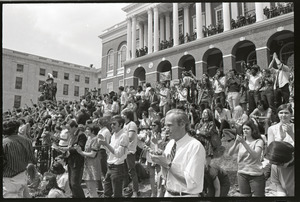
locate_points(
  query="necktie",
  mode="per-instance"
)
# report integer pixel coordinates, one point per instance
(173, 151)
(277, 80)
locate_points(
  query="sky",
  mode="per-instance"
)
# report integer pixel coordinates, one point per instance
(67, 32)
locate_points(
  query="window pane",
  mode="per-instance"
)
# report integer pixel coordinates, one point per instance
(66, 76)
(87, 80)
(55, 74)
(19, 82)
(76, 91)
(66, 89)
(42, 72)
(17, 101)
(77, 78)
(20, 68)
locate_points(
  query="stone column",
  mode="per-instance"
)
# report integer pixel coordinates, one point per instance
(168, 26)
(156, 32)
(186, 20)
(199, 23)
(226, 16)
(234, 10)
(208, 14)
(228, 62)
(128, 54)
(259, 11)
(141, 35)
(162, 28)
(199, 67)
(150, 16)
(133, 37)
(175, 72)
(145, 34)
(175, 24)
(263, 57)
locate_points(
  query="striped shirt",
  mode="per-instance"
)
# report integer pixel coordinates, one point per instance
(17, 153)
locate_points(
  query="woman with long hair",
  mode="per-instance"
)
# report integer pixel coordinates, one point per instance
(249, 146)
(238, 118)
(153, 144)
(204, 132)
(34, 178)
(49, 187)
(205, 90)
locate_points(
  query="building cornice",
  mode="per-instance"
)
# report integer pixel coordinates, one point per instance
(45, 60)
(212, 39)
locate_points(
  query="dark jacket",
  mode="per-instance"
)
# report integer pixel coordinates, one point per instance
(75, 159)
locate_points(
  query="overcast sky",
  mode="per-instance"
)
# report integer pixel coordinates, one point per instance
(67, 32)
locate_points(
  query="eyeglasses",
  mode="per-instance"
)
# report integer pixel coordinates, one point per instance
(154, 125)
(113, 123)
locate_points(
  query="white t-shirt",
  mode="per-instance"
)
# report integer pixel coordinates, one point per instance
(131, 127)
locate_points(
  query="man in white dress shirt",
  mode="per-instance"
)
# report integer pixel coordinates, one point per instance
(183, 166)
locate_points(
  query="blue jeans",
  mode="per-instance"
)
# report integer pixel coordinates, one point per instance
(113, 181)
(251, 185)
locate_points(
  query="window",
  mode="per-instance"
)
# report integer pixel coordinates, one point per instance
(20, 68)
(40, 85)
(76, 90)
(66, 76)
(110, 60)
(122, 56)
(110, 87)
(219, 16)
(66, 89)
(251, 59)
(86, 91)
(55, 74)
(87, 80)
(77, 78)
(17, 101)
(42, 72)
(99, 80)
(19, 82)
(180, 28)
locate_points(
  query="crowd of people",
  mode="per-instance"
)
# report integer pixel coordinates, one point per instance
(168, 133)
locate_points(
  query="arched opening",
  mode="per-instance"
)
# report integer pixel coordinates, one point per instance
(164, 71)
(244, 51)
(186, 63)
(213, 60)
(139, 77)
(283, 44)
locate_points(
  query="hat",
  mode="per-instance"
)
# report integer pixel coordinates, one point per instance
(80, 126)
(50, 77)
(280, 152)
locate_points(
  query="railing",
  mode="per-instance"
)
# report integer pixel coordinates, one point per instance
(44, 156)
(247, 19)
(278, 10)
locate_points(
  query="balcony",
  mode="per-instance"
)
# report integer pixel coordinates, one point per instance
(246, 20)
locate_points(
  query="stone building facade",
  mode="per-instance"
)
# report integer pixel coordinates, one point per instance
(202, 37)
(23, 73)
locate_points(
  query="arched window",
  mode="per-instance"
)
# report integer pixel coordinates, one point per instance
(286, 51)
(122, 56)
(251, 59)
(110, 61)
